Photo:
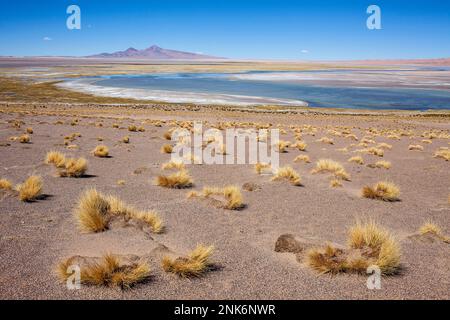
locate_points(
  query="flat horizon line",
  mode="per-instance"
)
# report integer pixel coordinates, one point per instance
(222, 59)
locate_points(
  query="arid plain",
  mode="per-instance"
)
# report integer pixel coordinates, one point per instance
(355, 188)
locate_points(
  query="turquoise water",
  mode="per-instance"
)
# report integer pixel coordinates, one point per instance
(315, 95)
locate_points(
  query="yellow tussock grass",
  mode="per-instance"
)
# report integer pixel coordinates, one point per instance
(95, 211)
(107, 271)
(368, 244)
(74, 168)
(167, 148)
(192, 266)
(232, 195)
(177, 180)
(31, 189)
(5, 184)
(386, 191)
(282, 146)
(302, 158)
(151, 218)
(384, 145)
(430, 227)
(300, 145)
(126, 139)
(262, 168)
(56, 158)
(30, 130)
(179, 165)
(101, 151)
(289, 174)
(383, 164)
(384, 248)
(168, 135)
(416, 147)
(334, 183)
(375, 151)
(24, 138)
(92, 212)
(443, 154)
(356, 159)
(132, 128)
(331, 166)
(326, 140)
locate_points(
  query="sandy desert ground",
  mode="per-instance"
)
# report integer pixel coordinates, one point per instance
(36, 236)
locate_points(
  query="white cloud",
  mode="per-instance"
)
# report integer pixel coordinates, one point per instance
(47, 39)
(304, 51)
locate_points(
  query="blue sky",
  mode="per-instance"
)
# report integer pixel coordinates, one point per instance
(262, 29)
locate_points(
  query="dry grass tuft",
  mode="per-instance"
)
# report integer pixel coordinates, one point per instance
(289, 174)
(168, 135)
(368, 245)
(151, 218)
(179, 165)
(167, 148)
(383, 164)
(92, 212)
(109, 271)
(178, 180)
(335, 183)
(56, 158)
(356, 159)
(302, 158)
(327, 165)
(281, 146)
(192, 266)
(30, 130)
(432, 228)
(326, 140)
(24, 138)
(31, 189)
(443, 154)
(326, 260)
(132, 128)
(263, 168)
(384, 145)
(386, 191)
(5, 184)
(300, 145)
(101, 151)
(126, 139)
(233, 197)
(74, 168)
(417, 147)
(377, 244)
(375, 151)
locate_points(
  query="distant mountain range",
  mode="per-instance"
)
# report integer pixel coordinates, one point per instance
(154, 52)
